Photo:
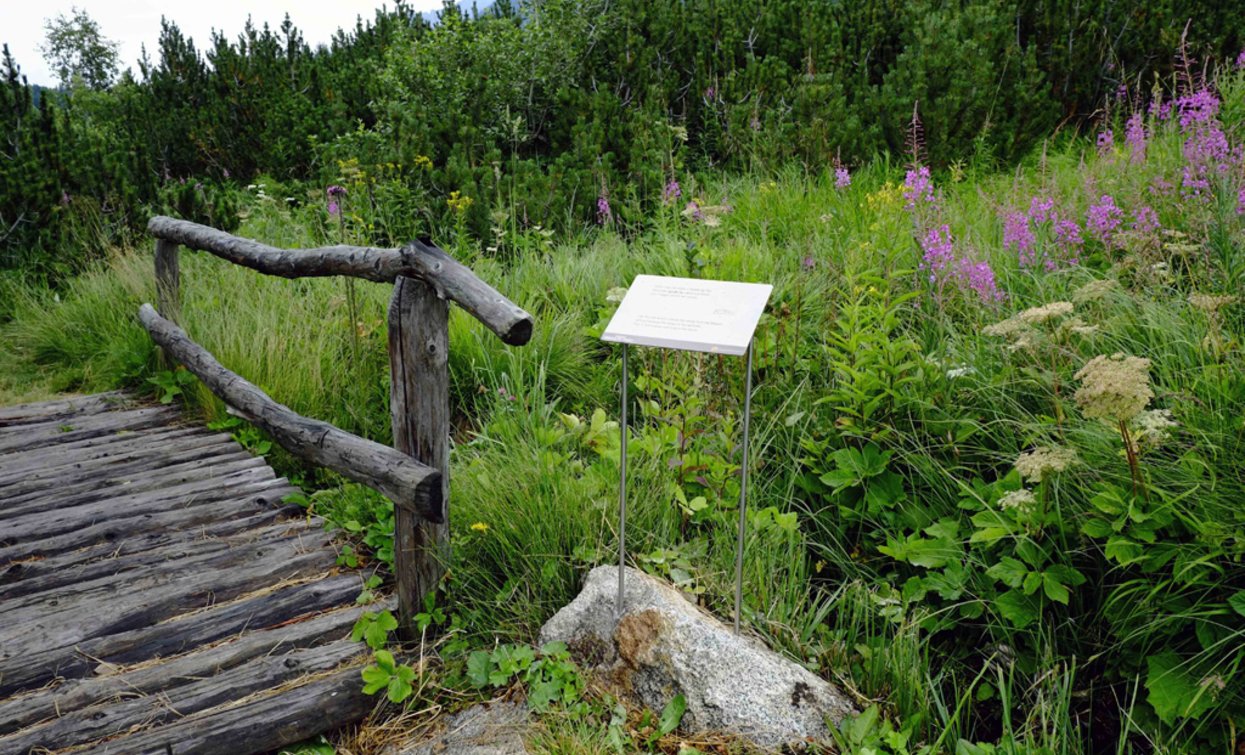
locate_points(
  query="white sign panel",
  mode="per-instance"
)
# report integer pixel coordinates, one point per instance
(689, 314)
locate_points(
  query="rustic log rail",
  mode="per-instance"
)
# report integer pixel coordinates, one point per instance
(425, 279)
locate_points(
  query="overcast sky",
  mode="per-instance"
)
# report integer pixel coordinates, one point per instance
(134, 23)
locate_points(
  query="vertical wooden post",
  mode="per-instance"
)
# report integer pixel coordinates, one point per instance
(168, 281)
(419, 402)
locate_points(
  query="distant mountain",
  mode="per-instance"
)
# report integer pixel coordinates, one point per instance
(481, 8)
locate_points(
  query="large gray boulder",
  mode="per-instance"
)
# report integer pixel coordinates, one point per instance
(664, 646)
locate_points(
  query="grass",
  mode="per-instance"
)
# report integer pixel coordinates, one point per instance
(883, 580)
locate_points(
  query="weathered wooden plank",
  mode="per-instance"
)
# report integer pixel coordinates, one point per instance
(156, 452)
(145, 679)
(166, 468)
(266, 608)
(121, 716)
(23, 577)
(419, 403)
(15, 463)
(405, 482)
(101, 607)
(69, 430)
(201, 510)
(224, 481)
(263, 724)
(74, 405)
(418, 259)
(153, 600)
(198, 554)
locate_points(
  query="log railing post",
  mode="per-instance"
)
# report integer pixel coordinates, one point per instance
(419, 402)
(168, 281)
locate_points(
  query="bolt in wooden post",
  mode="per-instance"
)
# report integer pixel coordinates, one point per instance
(168, 281)
(419, 402)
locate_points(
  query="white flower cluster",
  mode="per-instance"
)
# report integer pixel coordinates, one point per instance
(1115, 387)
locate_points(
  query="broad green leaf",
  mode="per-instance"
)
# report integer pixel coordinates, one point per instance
(1054, 589)
(1031, 583)
(1237, 602)
(671, 715)
(478, 667)
(1009, 571)
(374, 679)
(400, 684)
(1020, 609)
(1122, 550)
(1173, 691)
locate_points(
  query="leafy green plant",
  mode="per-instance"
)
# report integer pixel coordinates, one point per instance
(548, 675)
(386, 673)
(171, 383)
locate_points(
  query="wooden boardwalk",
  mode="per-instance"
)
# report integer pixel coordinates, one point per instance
(156, 595)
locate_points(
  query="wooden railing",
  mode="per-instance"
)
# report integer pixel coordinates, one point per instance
(415, 473)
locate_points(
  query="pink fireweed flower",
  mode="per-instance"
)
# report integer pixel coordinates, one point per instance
(1199, 107)
(1146, 221)
(1106, 141)
(672, 192)
(1104, 219)
(978, 277)
(1067, 243)
(938, 254)
(918, 188)
(1018, 238)
(1041, 209)
(604, 214)
(1240, 201)
(842, 179)
(1194, 184)
(1135, 136)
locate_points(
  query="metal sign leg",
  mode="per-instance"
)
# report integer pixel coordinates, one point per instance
(622, 489)
(743, 493)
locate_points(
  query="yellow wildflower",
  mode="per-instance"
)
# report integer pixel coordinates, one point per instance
(479, 527)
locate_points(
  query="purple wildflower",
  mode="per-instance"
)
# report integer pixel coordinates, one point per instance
(808, 263)
(672, 192)
(979, 278)
(604, 214)
(1135, 135)
(1199, 107)
(1104, 219)
(1194, 185)
(1240, 60)
(1041, 209)
(711, 93)
(1240, 201)
(938, 254)
(1146, 221)
(1018, 237)
(1106, 141)
(918, 188)
(65, 199)
(335, 192)
(1068, 243)
(693, 209)
(842, 178)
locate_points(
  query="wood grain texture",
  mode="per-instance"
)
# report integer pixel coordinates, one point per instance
(153, 586)
(407, 483)
(168, 280)
(451, 279)
(419, 402)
